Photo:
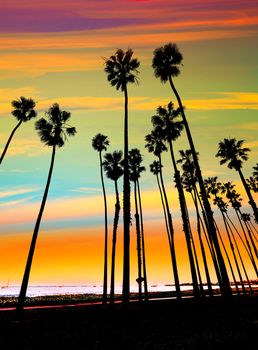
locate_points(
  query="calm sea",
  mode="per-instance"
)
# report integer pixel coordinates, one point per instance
(84, 289)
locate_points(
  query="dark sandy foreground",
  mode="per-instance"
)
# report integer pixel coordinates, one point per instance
(166, 324)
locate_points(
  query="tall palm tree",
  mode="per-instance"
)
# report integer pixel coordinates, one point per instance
(166, 119)
(189, 180)
(232, 152)
(100, 143)
(214, 187)
(23, 112)
(235, 200)
(53, 133)
(122, 69)
(114, 170)
(135, 160)
(155, 144)
(155, 168)
(166, 64)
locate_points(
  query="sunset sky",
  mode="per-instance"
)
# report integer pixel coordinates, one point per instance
(53, 51)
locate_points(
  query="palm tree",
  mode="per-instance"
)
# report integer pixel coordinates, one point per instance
(235, 200)
(121, 69)
(155, 168)
(166, 64)
(189, 180)
(214, 187)
(100, 143)
(23, 112)
(166, 119)
(155, 144)
(135, 160)
(232, 152)
(114, 170)
(53, 133)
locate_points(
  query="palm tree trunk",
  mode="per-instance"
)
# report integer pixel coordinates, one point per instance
(208, 279)
(164, 210)
(250, 197)
(249, 249)
(186, 223)
(9, 140)
(116, 219)
(22, 295)
(171, 230)
(205, 226)
(233, 250)
(126, 209)
(138, 243)
(238, 251)
(143, 245)
(106, 232)
(228, 259)
(224, 280)
(165, 216)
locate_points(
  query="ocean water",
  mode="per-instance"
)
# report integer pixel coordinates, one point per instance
(33, 291)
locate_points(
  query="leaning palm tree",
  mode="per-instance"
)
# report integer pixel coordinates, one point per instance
(113, 168)
(121, 69)
(100, 143)
(23, 112)
(53, 133)
(189, 180)
(232, 152)
(214, 188)
(155, 144)
(166, 64)
(135, 160)
(166, 119)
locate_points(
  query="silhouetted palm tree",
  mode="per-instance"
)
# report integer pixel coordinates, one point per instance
(189, 180)
(214, 187)
(23, 112)
(235, 200)
(53, 133)
(155, 168)
(135, 160)
(121, 69)
(166, 119)
(100, 143)
(114, 170)
(232, 152)
(166, 64)
(156, 145)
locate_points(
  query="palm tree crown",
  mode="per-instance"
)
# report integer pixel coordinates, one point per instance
(55, 131)
(24, 109)
(155, 142)
(121, 68)
(113, 165)
(166, 62)
(100, 142)
(165, 119)
(232, 152)
(155, 167)
(135, 160)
